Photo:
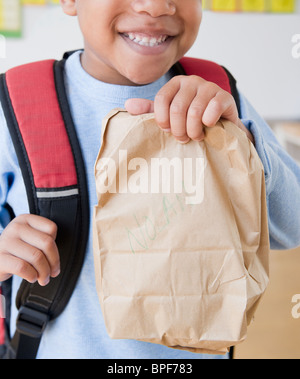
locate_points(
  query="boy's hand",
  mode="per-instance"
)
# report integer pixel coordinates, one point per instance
(186, 104)
(28, 249)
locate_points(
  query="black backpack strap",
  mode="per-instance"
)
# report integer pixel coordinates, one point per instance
(234, 90)
(34, 101)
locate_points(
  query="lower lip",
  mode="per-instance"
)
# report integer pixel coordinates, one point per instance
(148, 50)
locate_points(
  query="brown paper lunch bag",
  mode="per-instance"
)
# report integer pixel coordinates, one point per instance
(181, 239)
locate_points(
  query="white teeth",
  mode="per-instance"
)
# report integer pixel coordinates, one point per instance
(146, 41)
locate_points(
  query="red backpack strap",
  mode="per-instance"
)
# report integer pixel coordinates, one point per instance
(35, 105)
(40, 130)
(211, 72)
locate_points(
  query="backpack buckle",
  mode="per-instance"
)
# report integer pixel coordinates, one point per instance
(31, 322)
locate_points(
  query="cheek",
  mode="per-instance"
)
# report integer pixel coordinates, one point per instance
(92, 23)
(192, 22)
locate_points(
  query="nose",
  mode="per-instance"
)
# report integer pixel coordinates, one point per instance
(155, 8)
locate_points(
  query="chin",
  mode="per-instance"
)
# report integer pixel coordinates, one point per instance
(145, 78)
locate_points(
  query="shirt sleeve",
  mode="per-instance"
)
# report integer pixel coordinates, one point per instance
(282, 177)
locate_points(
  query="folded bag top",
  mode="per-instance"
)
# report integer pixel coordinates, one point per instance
(181, 240)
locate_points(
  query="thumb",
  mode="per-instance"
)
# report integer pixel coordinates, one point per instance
(139, 106)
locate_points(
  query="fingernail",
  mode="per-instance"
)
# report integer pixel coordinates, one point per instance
(184, 142)
(200, 138)
(167, 130)
(43, 284)
(55, 273)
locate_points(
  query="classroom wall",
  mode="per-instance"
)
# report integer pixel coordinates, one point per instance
(256, 48)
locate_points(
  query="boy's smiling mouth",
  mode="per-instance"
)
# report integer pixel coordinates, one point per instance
(147, 43)
(146, 40)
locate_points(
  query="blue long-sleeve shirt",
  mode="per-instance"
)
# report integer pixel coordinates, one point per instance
(282, 176)
(80, 331)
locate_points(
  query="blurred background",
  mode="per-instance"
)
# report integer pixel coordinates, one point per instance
(259, 42)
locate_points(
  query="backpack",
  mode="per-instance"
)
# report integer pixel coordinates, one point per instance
(33, 95)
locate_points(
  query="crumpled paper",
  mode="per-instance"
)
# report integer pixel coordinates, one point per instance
(181, 239)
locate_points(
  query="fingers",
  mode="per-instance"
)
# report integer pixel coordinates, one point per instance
(39, 249)
(28, 249)
(39, 223)
(195, 122)
(162, 104)
(185, 105)
(139, 106)
(15, 266)
(221, 105)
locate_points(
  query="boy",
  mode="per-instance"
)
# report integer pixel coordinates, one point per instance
(130, 46)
